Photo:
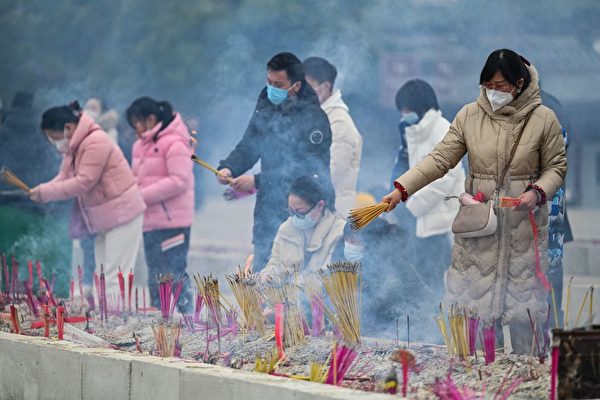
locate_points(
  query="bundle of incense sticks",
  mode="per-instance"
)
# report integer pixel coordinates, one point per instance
(341, 359)
(313, 288)
(489, 343)
(206, 165)
(167, 338)
(460, 331)
(8, 177)
(216, 304)
(281, 290)
(535, 338)
(343, 281)
(244, 285)
(361, 217)
(169, 292)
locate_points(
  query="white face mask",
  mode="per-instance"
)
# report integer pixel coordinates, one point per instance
(498, 99)
(62, 145)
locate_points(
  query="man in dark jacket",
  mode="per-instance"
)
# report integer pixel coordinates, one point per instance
(290, 135)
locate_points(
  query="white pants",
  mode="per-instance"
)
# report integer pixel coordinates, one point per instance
(118, 247)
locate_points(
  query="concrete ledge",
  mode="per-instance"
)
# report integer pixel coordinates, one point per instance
(38, 368)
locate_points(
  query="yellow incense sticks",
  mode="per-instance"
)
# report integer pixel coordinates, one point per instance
(554, 307)
(8, 177)
(361, 217)
(568, 303)
(206, 165)
(581, 307)
(341, 281)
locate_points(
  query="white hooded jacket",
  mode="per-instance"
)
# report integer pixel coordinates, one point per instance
(434, 214)
(346, 149)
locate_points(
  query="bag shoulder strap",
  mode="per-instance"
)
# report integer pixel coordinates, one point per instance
(513, 151)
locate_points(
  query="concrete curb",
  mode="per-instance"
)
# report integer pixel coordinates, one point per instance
(39, 368)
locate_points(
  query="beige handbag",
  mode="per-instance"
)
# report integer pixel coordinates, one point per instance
(478, 220)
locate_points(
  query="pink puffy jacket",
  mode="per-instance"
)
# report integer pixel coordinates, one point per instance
(164, 171)
(95, 171)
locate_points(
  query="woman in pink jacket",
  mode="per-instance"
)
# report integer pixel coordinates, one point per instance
(94, 172)
(163, 167)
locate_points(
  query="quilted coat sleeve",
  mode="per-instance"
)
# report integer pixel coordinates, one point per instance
(94, 155)
(553, 157)
(445, 156)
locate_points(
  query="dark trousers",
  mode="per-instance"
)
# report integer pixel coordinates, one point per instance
(173, 260)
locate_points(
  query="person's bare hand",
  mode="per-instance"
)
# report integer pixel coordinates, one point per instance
(528, 201)
(244, 183)
(392, 198)
(35, 194)
(224, 176)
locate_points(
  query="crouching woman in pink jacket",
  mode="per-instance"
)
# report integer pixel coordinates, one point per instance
(94, 172)
(163, 167)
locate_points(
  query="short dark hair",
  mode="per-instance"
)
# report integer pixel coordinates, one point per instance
(146, 106)
(418, 96)
(289, 63)
(510, 64)
(320, 69)
(55, 118)
(313, 189)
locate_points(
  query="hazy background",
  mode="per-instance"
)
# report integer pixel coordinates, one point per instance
(208, 57)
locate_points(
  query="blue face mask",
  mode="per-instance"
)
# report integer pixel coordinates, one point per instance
(276, 95)
(410, 118)
(303, 223)
(353, 252)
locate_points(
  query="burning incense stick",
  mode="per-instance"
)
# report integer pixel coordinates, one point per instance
(341, 281)
(8, 177)
(14, 318)
(121, 289)
(129, 289)
(581, 307)
(209, 167)
(591, 314)
(568, 302)
(361, 217)
(103, 299)
(30, 269)
(60, 321)
(554, 307)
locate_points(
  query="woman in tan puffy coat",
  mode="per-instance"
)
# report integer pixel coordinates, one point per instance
(495, 275)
